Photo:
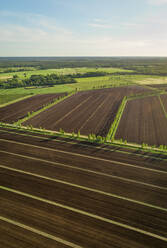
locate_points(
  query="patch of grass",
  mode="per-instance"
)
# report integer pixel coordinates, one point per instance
(6, 98)
(152, 80)
(28, 91)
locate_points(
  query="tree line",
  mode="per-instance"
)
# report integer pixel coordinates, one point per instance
(46, 80)
(37, 80)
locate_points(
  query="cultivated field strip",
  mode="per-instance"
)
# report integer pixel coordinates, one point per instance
(72, 225)
(143, 121)
(78, 199)
(62, 107)
(18, 110)
(102, 117)
(117, 187)
(72, 114)
(104, 153)
(164, 101)
(156, 179)
(76, 118)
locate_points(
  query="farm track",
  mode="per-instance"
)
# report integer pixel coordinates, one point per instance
(81, 196)
(18, 110)
(82, 111)
(143, 121)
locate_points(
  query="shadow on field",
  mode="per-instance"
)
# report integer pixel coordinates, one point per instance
(150, 157)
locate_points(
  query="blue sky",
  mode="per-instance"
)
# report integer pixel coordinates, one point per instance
(83, 28)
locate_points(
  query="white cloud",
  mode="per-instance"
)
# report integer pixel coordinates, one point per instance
(157, 2)
(41, 36)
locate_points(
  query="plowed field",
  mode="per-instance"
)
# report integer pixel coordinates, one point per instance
(143, 121)
(59, 193)
(20, 109)
(87, 112)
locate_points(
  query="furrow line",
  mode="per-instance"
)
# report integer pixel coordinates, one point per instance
(84, 156)
(82, 187)
(31, 229)
(87, 214)
(85, 170)
(72, 110)
(97, 147)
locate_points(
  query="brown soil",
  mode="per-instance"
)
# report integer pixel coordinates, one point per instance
(143, 121)
(20, 109)
(66, 224)
(87, 112)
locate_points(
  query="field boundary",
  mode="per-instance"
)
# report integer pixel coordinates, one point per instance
(114, 126)
(73, 140)
(117, 143)
(140, 96)
(162, 105)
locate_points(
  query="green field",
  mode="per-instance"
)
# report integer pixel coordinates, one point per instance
(4, 70)
(5, 98)
(7, 95)
(64, 71)
(82, 84)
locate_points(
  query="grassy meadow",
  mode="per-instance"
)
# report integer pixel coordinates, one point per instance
(63, 71)
(9, 97)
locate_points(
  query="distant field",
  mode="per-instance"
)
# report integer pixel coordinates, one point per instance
(82, 84)
(143, 121)
(10, 97)
(64, 71)
(5, 69)
(153, 80)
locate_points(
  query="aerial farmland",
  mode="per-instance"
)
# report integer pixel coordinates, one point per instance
(83, 155)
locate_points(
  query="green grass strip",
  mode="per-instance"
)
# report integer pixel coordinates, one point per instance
(16, 100)
(162, 105)
(135, 147)
(115, 124)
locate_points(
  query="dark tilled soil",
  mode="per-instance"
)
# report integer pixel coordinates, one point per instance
(88, 111)
(13, 112)
(143, 121)
(95, 217)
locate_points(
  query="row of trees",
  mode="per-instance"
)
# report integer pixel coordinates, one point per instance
(46, 80)
(142, 65)
(37, 80)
